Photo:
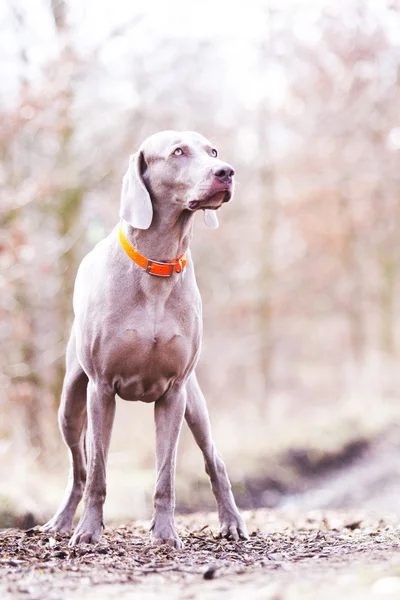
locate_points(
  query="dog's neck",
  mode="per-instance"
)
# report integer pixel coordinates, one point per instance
(167, 238)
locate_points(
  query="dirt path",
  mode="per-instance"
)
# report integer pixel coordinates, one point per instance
(289, 556)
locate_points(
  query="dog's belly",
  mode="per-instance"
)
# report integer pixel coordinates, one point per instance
(148, 368)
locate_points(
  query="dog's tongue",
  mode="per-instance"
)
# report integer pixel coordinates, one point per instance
(210, 218)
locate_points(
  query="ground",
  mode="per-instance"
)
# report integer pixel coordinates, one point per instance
(290, 555)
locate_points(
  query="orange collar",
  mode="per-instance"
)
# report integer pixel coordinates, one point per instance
(153, 267)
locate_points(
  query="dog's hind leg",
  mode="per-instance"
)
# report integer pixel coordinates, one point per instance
(72, 420)
(231, 523)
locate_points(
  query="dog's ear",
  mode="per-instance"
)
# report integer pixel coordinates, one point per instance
(136, 208)
(210, 218)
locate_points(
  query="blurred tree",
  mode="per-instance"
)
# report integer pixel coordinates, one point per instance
(301, 279)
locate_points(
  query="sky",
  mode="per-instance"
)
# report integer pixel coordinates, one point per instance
(95, 21)
(234, 24)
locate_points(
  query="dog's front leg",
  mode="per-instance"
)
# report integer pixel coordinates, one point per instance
(101, 412)
(232, 525)
(168, 413)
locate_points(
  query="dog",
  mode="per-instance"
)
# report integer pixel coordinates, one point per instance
(137, 334)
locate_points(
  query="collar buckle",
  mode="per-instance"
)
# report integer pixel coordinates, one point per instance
(180, 263)
(150, 263)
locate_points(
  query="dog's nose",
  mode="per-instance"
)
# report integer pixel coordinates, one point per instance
(224, 173)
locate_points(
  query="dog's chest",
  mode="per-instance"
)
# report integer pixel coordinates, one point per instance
(160, 346)
(146, 359)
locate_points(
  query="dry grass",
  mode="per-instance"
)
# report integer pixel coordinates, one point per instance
(288, 555)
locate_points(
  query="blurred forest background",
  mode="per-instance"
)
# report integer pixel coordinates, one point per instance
(300, 284)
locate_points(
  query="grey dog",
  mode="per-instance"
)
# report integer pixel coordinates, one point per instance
(137, 333)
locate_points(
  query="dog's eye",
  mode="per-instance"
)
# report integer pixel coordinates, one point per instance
(214, 153)
(178, 152)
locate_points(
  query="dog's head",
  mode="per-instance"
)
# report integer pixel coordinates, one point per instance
(178, 168)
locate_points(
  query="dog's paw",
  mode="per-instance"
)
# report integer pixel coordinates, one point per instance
(58, 524)
(233, 527)
(163, 531)
(173, 542)
(85, 533)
